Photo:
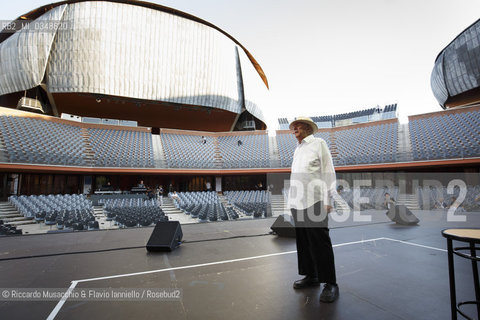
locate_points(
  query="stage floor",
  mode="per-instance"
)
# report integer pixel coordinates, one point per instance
(237, 270)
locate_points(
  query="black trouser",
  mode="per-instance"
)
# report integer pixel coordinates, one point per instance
(314, 247)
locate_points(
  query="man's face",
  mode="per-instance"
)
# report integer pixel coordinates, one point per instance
(300, 130)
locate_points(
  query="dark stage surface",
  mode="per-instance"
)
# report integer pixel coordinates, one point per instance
(236, 270)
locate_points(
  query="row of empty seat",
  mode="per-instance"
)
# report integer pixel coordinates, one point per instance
(446, 135)
(202, 205)
(252, 203)
(121, 148)
(368, 197)
(360, 116)
(230, 151)
(372, 144)
(244, 151)
(30, 140)
(133, 212)
(283, 123)
(423, 197)
(73, 212)
(188, 151)
(431, 197)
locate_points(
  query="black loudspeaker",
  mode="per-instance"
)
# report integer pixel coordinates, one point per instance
(166, 236)
(283, 227)
(402, 215)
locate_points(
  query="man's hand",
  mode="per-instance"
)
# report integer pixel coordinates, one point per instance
(328, 209)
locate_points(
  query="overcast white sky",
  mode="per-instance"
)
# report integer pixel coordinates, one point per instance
(326, 57)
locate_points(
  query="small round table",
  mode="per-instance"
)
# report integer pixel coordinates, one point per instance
(472, 237)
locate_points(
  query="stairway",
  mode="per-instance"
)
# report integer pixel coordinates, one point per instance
(223, 200)
(404, 146)
(217, 156)
(169, 208)
(98, 211)
(226, 204)
(333, 146)
(10, 215)
(89, 155)
(158, 154)
(273, 152)
(3, 151)
(279, 206)
(408, 200)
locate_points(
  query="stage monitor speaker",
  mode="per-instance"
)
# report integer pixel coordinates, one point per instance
(284, 227)
(402, 215)
(166, 236)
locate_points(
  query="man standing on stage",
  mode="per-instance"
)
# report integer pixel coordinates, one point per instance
(312, 183)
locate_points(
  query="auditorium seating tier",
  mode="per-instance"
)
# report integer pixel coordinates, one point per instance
(73, 212)
(188, 151)
(205, 206)
(446, 136)
(29, 140)
(372, 144)
(252, 203)
(36, 140)
(133, 212)
(244, 151)
(121, 148)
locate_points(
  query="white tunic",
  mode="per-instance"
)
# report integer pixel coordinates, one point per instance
(313, 176)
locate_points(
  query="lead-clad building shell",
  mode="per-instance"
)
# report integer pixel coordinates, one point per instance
(457, 67)
(133, 51)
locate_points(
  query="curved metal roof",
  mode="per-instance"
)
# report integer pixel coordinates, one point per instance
(43, 9)
(106, 50)
(457, 67)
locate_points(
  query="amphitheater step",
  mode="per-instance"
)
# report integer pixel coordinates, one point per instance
(226, 204)
(169, 208)
(340, 204)
(273, 152)
(158, 153)
(172, 211)
(5, 204)
(98, 211)
(217, 155)
(408, 200)
(3, 151)
(8, 209)
(88, 156)
(278, 205)
(7, 216)
(223, 200)
(20, 222)
(404, 147)
(16, 219)
(10, 215)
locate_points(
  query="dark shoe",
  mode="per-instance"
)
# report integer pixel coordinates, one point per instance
(306, 282)
(329, 293)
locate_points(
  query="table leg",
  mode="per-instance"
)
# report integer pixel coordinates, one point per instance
(451, 276)
(475, 277)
